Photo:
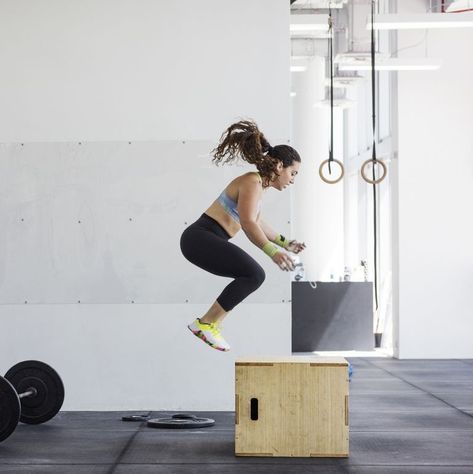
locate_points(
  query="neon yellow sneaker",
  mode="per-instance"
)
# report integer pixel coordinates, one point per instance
(209, 333)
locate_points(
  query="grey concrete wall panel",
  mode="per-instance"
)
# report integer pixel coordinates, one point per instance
(100, 222)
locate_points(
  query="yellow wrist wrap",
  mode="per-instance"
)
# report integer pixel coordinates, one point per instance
(281, 241)
(270, 249)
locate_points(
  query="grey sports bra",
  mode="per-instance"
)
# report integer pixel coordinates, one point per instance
(230, 206)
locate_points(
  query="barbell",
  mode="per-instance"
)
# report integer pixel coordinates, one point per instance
(31, 392)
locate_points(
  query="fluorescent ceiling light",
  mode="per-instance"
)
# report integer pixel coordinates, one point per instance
(299, 65)
(422, 21)
(318, 4)
(308, 23)
(362, 62)
(394, 64)
(358, 58)
(293, 94)
(315, 34)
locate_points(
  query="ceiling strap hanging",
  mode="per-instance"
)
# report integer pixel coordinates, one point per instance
(373, 161)
(331, 159)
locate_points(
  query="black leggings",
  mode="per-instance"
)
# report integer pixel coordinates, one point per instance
(205, 244)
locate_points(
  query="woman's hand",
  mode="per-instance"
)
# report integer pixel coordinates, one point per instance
(295, 247)
(283, 261)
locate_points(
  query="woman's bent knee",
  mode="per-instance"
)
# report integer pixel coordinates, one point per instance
(258, 277)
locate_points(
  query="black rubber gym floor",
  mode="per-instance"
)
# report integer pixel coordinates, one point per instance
(408, 416)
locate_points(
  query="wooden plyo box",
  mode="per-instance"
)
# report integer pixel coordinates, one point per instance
(291, 406)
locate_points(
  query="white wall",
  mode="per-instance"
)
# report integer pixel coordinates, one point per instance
(317, 206)
(435, 194)
(118, 357)
(141, 70)
(168, 77)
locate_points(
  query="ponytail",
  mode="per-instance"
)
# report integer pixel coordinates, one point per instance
(244, 140)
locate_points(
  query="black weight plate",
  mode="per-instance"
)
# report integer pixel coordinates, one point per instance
(135, 418)
(50, 390)
(182, 421)
(183, 416)
(9, 409)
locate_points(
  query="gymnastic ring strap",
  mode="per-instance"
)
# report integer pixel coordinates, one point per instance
(374, 162)
(331, 181)
(330, 52)
(330, 151)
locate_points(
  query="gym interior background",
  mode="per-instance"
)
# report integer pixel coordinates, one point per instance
(109, 112)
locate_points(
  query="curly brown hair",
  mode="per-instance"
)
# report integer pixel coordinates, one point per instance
(244, 140)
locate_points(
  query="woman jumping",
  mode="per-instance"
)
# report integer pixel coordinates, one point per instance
(205, 243)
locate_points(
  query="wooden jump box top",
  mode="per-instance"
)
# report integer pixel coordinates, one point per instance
(312, 360)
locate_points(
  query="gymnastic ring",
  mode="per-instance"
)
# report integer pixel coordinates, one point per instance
(333, 181)
(374, 181)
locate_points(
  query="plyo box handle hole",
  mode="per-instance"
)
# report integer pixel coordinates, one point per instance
(254, 409)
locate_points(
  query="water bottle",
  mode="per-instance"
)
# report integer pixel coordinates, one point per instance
(298, 273)
(347, 274)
